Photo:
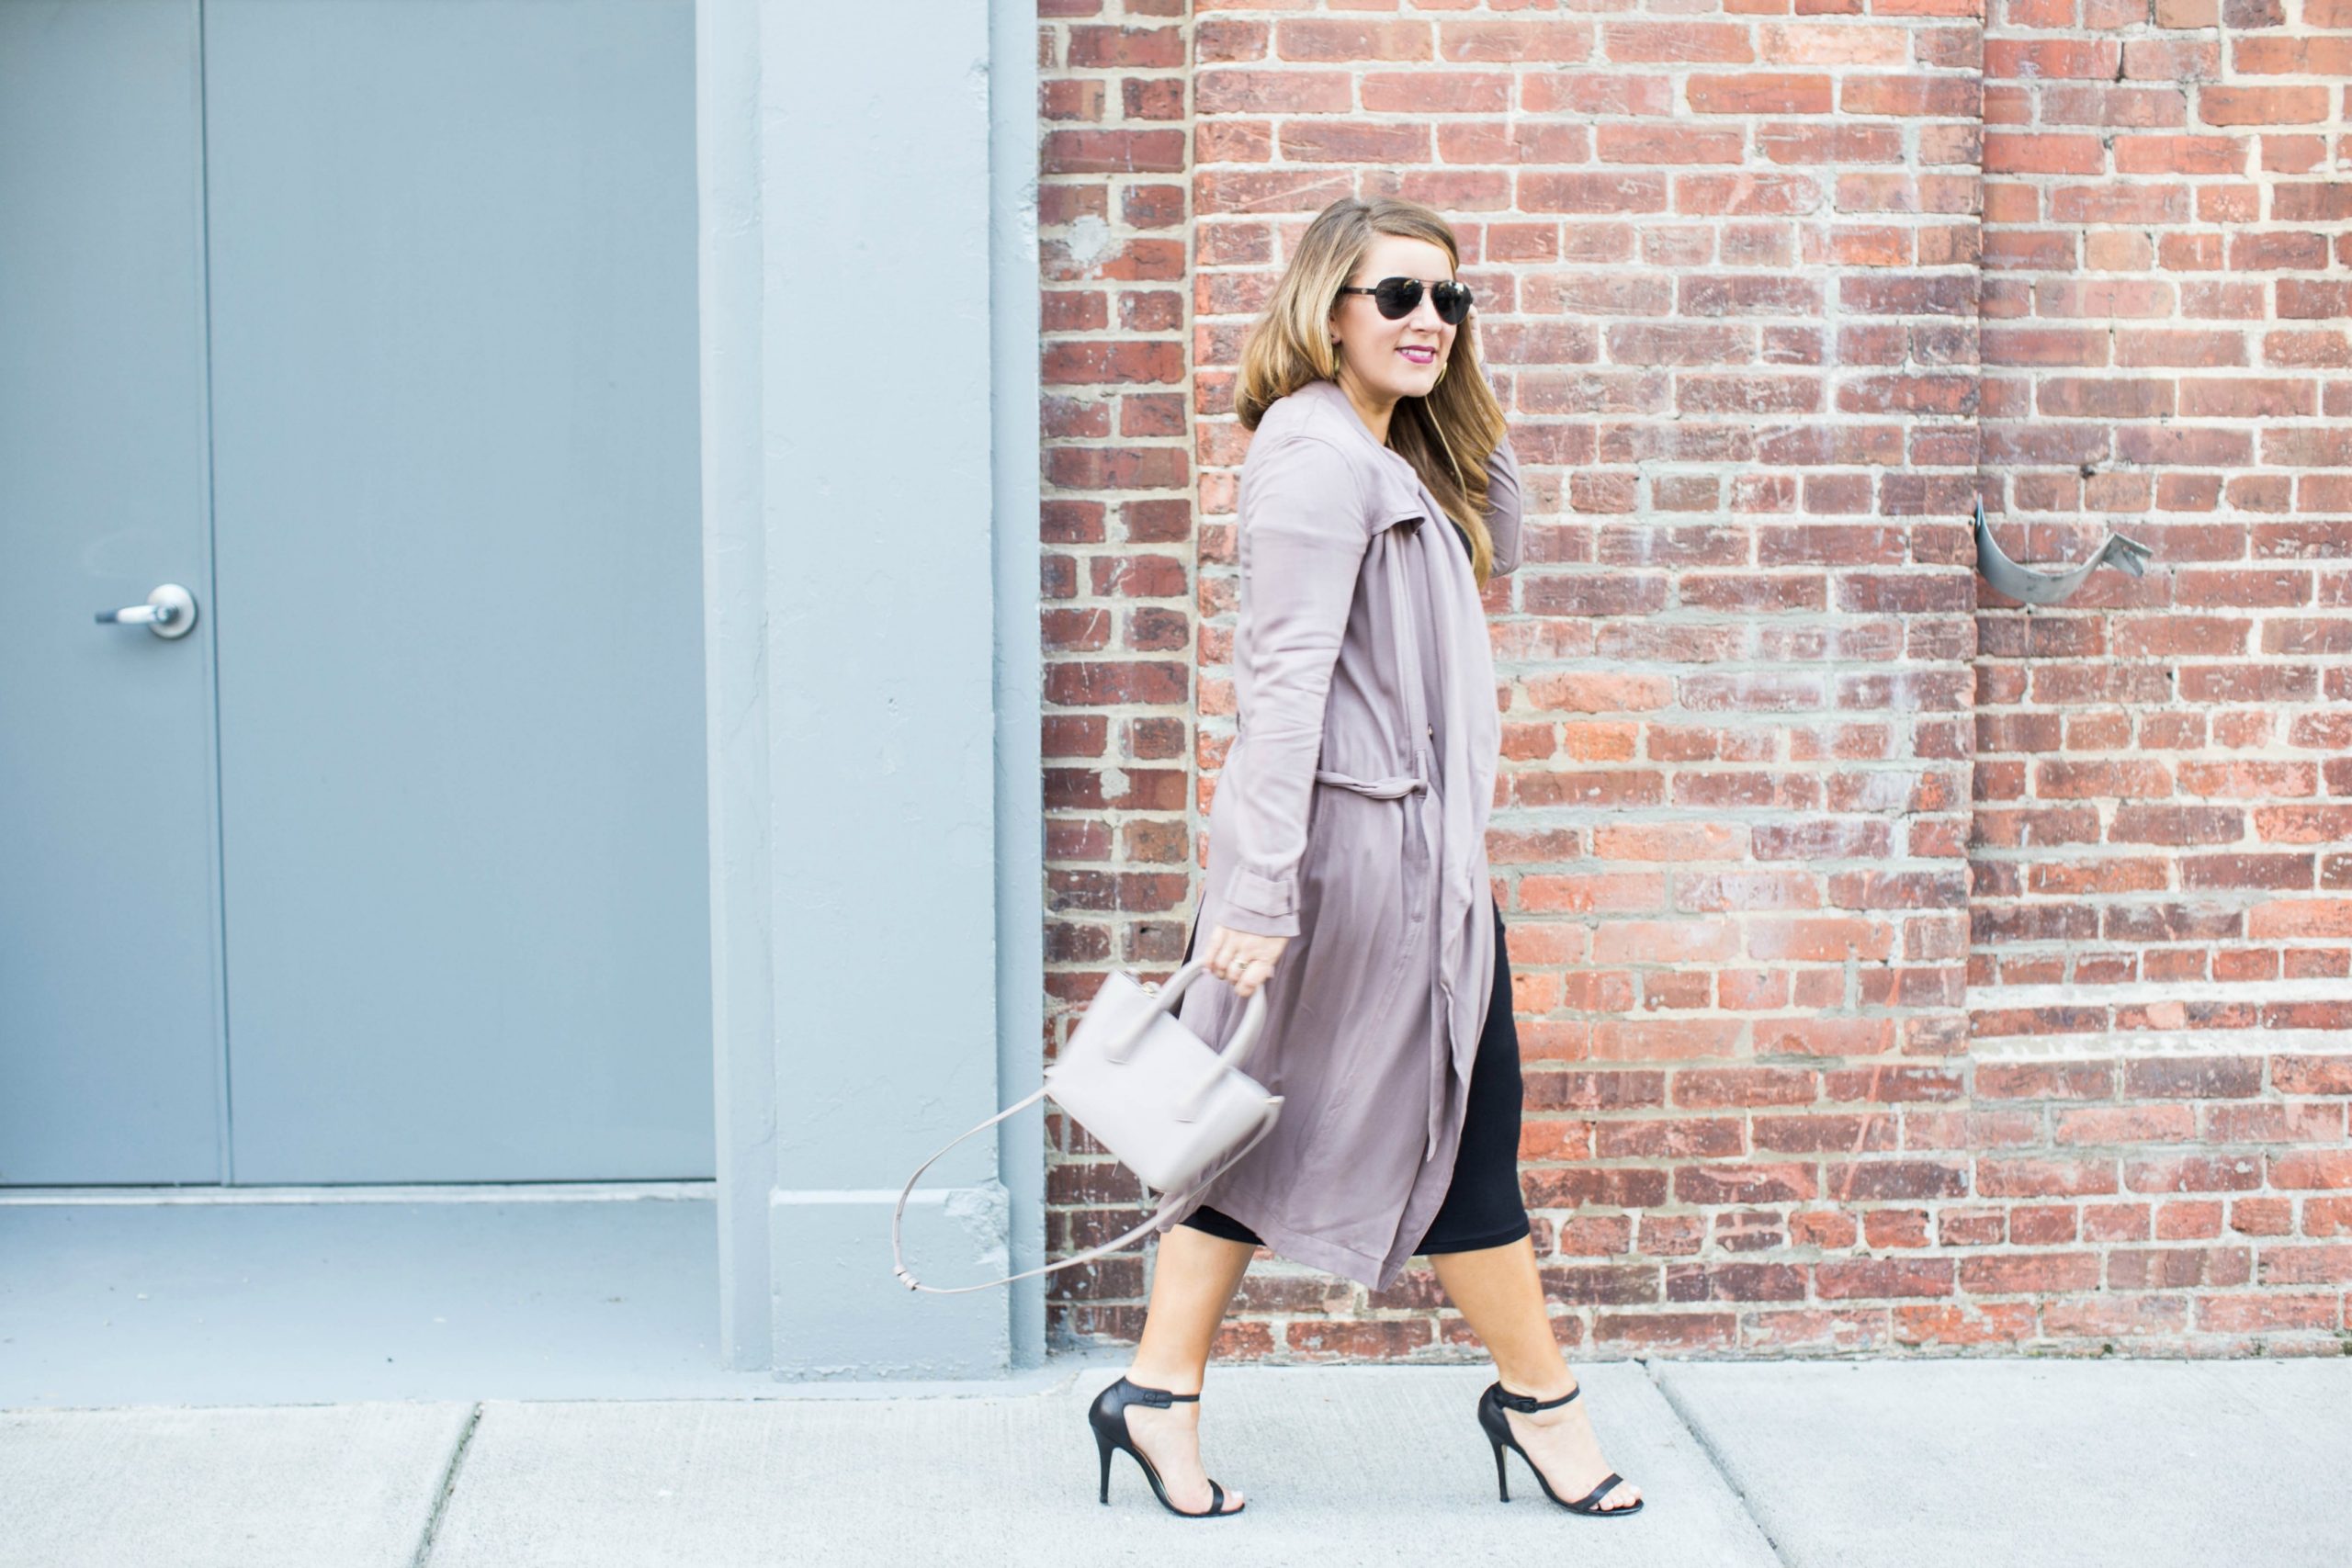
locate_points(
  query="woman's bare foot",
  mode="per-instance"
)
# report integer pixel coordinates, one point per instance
(1171, 1438)
(1562, 1446)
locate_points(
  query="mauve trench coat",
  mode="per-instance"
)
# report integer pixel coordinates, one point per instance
(1360, 834)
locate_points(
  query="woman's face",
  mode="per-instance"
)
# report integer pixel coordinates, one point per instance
(1399, 358)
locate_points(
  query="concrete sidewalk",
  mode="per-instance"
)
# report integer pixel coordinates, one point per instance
(2010, 1463)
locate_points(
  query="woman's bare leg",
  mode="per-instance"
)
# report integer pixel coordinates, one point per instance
(1194, 1277)
(1500, 1295)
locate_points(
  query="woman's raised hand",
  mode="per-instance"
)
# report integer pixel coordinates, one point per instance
(1243, 959)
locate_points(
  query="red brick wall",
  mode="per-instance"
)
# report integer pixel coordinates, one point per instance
(1114, 213)
(2163, 908)
(1790, 1086)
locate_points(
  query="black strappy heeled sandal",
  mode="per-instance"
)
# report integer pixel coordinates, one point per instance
(1491, 1420)
(1108, 1417)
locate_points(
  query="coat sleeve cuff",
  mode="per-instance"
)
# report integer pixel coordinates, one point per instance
(1261, 905)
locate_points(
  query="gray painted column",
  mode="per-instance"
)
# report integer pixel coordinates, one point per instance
(870, 451)
(1015, 337)
(727, 82)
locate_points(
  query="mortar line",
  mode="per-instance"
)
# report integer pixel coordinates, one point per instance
(1714, 1457)
(449, 1485)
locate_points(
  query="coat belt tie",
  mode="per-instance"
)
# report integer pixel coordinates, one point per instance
(1378, 789)
(1397, 789)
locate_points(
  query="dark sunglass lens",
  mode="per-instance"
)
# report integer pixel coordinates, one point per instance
(1397, 296)
(1453, 302)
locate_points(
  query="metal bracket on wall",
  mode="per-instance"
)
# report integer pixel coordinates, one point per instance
(2031, 587)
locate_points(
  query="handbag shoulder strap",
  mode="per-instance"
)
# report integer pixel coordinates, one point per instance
(1168, 1206)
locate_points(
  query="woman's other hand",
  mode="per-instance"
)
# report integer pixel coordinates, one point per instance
(1244, 959)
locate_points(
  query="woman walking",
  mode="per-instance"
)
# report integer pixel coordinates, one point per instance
(1347, 871)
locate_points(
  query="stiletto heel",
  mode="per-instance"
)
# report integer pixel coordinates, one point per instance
(1108, 1417)
(1491, 1421)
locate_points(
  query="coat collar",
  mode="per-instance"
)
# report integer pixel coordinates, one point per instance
(1323, 392)
(1328, 403)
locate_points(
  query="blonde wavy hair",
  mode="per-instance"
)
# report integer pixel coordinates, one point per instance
(1447, 435)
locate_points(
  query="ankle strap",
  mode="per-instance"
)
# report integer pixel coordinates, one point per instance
(1156, 1396)
(1525, 1403)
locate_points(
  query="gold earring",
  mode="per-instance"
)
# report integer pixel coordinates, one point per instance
(1440, 374)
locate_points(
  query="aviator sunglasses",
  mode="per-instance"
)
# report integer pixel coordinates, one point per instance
(1398, 297)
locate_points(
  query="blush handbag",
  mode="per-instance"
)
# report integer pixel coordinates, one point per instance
(1149, 1091)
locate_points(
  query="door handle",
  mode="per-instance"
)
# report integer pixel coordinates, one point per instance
(170, 610)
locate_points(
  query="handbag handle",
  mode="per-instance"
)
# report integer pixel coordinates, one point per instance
(1253, 1016)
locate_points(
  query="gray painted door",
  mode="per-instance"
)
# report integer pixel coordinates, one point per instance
(110, 1064)
(448, 266)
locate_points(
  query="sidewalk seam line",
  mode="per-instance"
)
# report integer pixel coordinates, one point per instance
(449, 1485)
(1714, 1457)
